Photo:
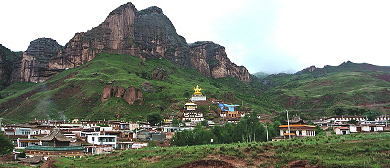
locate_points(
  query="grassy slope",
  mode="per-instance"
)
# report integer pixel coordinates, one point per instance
(316, 93)
(76, 92)
(356, 150)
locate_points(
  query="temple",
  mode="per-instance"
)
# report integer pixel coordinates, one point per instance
(55, 144)
(198, 96)
(191, 113)
(296, 129)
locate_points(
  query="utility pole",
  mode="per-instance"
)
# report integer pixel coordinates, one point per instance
(0, 123)
(266, 127)
(288, 125)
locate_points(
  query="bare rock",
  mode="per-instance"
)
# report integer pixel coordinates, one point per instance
(148, 87)
(159, 74)
(119, 91)
(107, 92)
(33, 64)
(211, 60)
(132, 94)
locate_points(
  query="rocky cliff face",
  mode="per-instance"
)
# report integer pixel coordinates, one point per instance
(32, 66)
(145, 34)
(130, 95)
(211, 60)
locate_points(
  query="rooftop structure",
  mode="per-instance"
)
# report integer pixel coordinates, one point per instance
(198, 96)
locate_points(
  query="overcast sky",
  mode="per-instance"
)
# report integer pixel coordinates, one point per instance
(262, 35)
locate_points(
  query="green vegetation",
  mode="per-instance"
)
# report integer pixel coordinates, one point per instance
(6, 145)
(247, 130)
(355, 150)
(154, 119)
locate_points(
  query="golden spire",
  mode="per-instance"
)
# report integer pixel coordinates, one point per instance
(197, 90)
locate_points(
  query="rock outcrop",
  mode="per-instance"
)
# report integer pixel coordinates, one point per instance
(33, 65)
(159, 74)
(130, 95)
(146, 34)
(107, 92)
(211, 60)
(119, 91)
(148, 87)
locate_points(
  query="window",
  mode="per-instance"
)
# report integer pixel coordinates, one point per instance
(93, 139)
(25, 132)
(23, 144)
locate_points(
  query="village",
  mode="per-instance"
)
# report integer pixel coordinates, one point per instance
(41, 139)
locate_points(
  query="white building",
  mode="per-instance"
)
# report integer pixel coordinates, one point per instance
(191, 113)
(342, 130)
(102, 140)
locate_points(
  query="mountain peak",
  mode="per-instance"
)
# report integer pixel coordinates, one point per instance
(119, 10)
(152, 9)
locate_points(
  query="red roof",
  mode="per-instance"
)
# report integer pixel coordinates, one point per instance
(290, 134)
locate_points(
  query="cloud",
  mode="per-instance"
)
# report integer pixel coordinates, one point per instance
(330, 32)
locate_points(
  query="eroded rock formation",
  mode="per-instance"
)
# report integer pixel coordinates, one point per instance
(130, 95)
(107, 92)
(119, 91)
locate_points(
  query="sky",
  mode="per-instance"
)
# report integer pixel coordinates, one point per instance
(262, 35)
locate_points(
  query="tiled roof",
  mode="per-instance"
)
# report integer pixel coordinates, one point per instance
(57, 135)
(51, 148)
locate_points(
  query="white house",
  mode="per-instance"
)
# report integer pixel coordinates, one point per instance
(102, 140)
(342, 130)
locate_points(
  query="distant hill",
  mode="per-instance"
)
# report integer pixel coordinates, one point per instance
(261, 75)
(356, 88)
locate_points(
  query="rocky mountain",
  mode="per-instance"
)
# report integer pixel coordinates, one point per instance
(211, 60)
(33, 64)
(146, 34)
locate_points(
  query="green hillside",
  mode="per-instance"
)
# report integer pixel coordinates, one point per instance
(361, 87)
(348, 89)
(77, 92)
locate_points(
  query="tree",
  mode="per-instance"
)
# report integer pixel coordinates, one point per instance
(176, 122)
(204, 123)
(6, 145)
(154, 119)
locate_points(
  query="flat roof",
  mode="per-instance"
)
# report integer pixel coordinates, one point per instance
(294, 126)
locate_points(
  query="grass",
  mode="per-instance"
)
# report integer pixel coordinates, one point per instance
(355, 150)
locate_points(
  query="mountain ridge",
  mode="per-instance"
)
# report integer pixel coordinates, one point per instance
(146, 34)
